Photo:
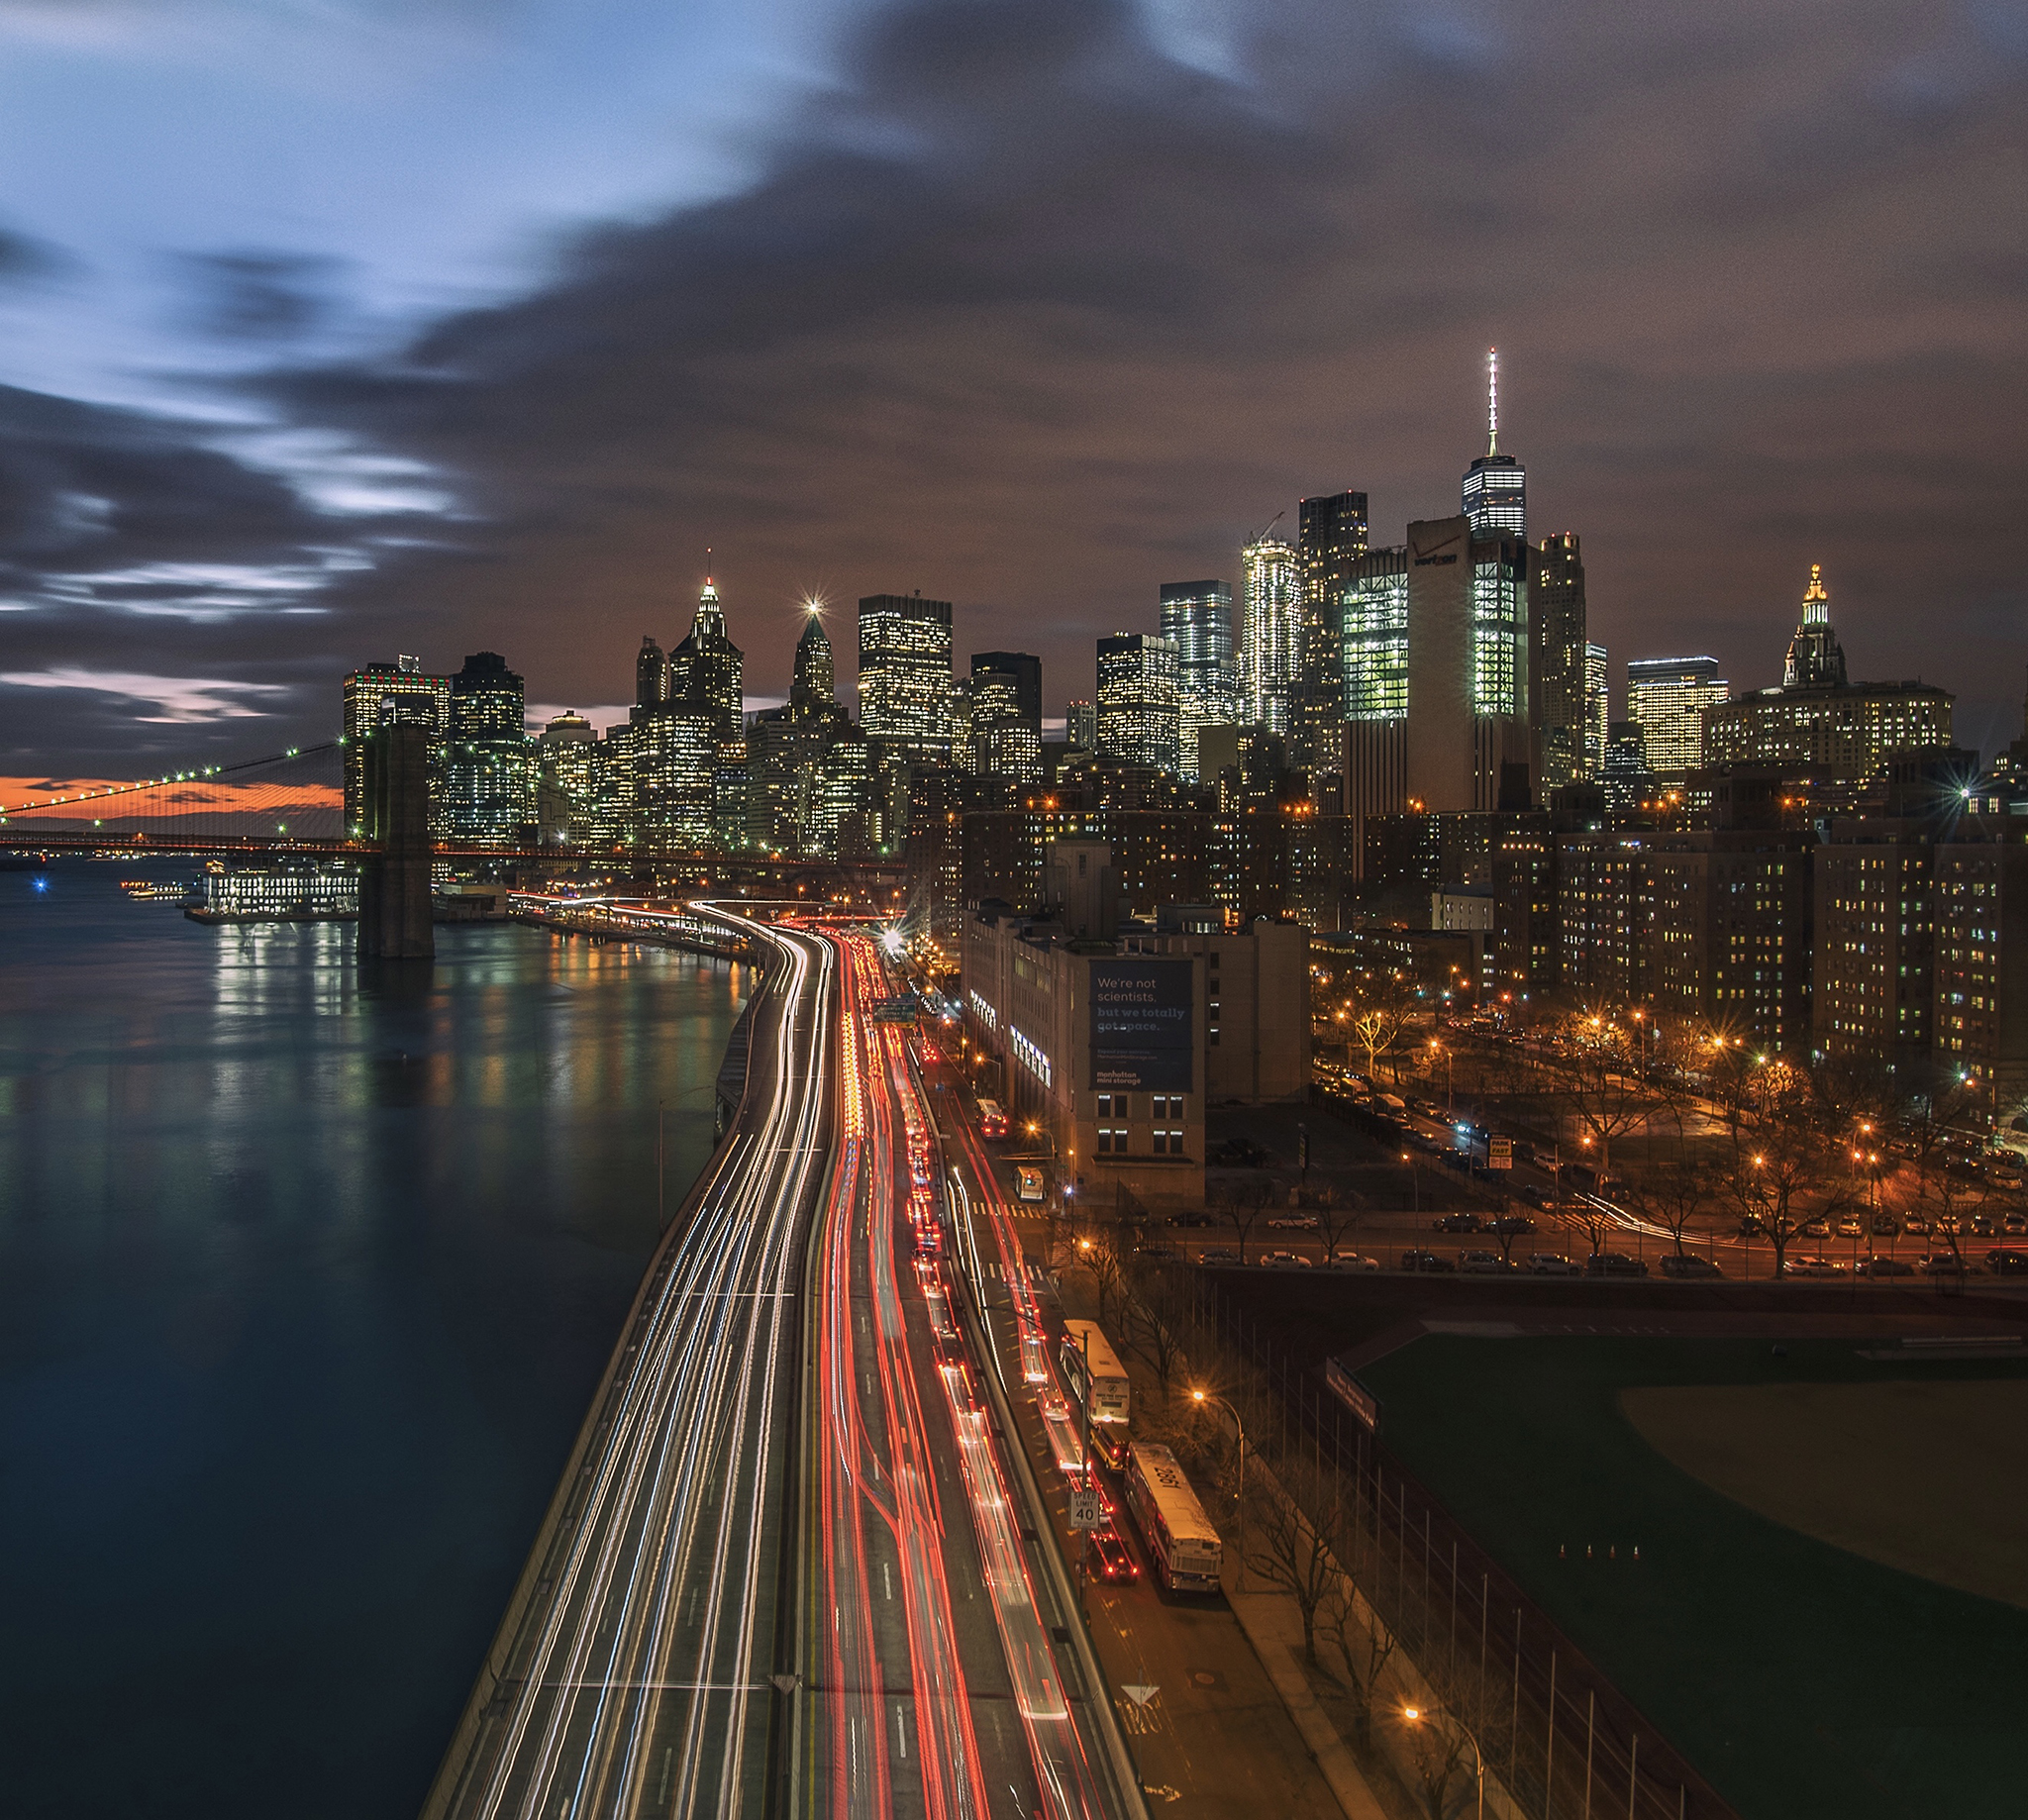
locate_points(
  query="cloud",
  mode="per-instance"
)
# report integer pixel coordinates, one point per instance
(258, 296)
(1036, 304)
(175, 698)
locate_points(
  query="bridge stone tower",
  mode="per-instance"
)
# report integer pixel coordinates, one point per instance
(394, 882)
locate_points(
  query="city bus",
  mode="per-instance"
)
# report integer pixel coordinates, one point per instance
(1098, 1382)
(1186, 1550)
(992, 1122)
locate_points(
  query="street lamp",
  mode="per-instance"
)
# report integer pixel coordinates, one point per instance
(1205, 1396)
(1415, 1716)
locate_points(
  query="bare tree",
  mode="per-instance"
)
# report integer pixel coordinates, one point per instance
(1443, 1769)
(1157, 1336)
(1100, 1261)
(1672, 1192)
(1786, 1170)
(1243, 1204)
(1360, 1647)
(1598, 1084)
(1289, 1520)
(1335, 1221)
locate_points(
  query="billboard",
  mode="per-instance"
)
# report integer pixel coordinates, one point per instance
(1140, 1025)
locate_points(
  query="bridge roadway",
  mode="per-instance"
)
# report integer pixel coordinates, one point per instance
(631, 1675)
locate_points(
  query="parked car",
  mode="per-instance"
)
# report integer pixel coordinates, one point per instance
(1688, 1265)
(1887, 1266)
(1985, 1225)
(1944, 1263)
(1239, 1153)
(1553, 1264)
(1425, 1261)
(1456, 1222)
(1293, 1222)
(2003, 1262)
(1113, 1559)
(1811, 1266)
(1283, 1260)
(1814, 1228)
(1511, 1222)
(1884, 1225)
(1915, 1223)
(2016, 1223)
(1350, 1261)
(1482, 1264)
(1192, 1219)
(1613, 1264)
(1850, 1228)
(1219, 1254)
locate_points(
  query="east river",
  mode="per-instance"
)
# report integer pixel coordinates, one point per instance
(307, 1273)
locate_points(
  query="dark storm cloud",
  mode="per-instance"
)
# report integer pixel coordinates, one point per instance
(1027, 312)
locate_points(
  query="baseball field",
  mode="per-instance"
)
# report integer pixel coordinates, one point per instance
(1828, 1613)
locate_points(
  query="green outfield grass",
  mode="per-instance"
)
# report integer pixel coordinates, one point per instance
(1805, 1680)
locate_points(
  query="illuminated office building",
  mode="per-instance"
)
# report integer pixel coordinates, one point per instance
(1495, 489)
(485, 781)
(1272, 628)
(565, 759)
(1080, 726)
(651, 674)
(905, 673)
(379, 695)
(1138, 721)
(1598, 714)
(1436, 652)
(1556, 660)
(1815, 658)
(1006, 715)
(707, 669)
(1196, 617)
(1331, 537)
(1666, 697)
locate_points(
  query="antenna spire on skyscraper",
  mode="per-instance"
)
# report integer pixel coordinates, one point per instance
(1492, 401)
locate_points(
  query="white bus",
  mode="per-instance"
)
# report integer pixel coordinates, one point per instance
(1186, 1550)
(1098, 1382)
(1028, 1184)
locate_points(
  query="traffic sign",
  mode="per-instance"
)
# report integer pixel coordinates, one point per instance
(1499, 1153)
(1084, 1510)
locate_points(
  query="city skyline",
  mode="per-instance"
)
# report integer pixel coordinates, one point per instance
(424, 471)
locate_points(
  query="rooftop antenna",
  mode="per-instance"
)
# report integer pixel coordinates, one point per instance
(1492, 401)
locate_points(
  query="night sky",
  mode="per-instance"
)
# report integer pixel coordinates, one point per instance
(333, 330)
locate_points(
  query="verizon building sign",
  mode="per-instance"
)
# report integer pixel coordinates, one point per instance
(1141, 1034)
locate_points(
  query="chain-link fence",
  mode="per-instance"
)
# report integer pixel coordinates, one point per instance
(1397, 1598)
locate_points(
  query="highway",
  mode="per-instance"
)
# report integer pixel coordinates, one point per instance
(929, 1644)
(631, 1674)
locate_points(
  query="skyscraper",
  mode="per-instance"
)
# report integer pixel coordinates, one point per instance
(1435, 673)
(1331, 537)
(1667, 698)
(1006, 714)
(1597, 702)
(707, 669)
(1196, 617)
(1495, 491)
(905, 673)
(1137, 701)
(1080, 726)
(1272, 626)
(486, 783)
(1815, 658)
(1556, 658)
(379, 695)
(813, 687)
(651, 674)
